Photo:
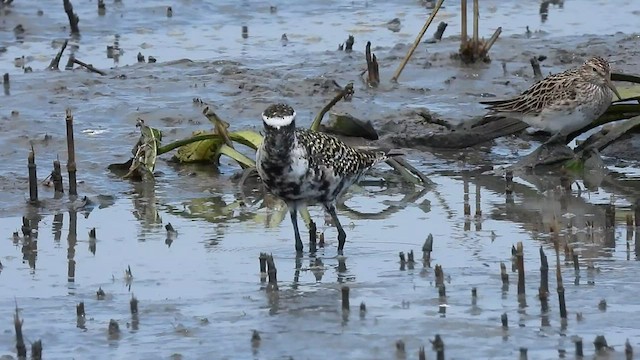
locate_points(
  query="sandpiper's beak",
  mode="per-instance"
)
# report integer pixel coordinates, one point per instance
(613, 88)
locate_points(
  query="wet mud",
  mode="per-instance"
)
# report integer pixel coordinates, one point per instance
(200, 291)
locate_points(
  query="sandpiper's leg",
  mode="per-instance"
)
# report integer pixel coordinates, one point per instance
(294, 220)
(342, 236)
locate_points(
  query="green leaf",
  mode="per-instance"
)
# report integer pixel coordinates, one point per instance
(243, 160)
(199, 151)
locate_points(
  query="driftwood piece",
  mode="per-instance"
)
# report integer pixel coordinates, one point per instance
(55, 62)
(373, 74)
(463, 139)
(73, 18)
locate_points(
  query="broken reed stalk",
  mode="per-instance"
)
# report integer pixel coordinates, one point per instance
(55, 62)
(413, 47)
(504, 319)
(504, 275)
(440, 31)
(5, 83)
(476, 26)
(427, 248)
(509, 180)
(544, 274)
(313, 237)
(56, 177)
(439, 275)
(561, 300)
(272, 272)
(345, 93)
(373, 74)
(492, 40)
(345, 298)
(88, 66)
(463, 23)
(636, 213)
(21, 349)
(36, 350)
(71, 154)
(263, 265)
(403, 261)
(579, 348)
(73, 18)
(520, 262)
(610, 216)
(438, 346)
(523, 353)
(33, 177)
(535, 65)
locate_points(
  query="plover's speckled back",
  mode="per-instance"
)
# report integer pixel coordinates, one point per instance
(564, 102)
(304, 166)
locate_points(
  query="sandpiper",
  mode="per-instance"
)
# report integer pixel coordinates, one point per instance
(302, 166)
(562, 103)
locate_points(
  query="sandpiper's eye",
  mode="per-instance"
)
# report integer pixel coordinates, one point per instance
(594, 69)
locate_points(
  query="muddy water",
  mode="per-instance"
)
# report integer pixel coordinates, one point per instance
(201, 293)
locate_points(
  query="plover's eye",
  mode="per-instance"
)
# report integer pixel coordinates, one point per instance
(594, 69)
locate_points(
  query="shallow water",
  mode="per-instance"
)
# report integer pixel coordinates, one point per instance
(201, 293)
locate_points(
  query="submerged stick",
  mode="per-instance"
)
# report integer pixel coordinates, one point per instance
(55, 62)
(504, 275)
(73, 18)
(272, 272)
(561, 300)
(33, 177)
(544, 274)
(413, 47)
(71, 155)
(88, 66)
(313, 237)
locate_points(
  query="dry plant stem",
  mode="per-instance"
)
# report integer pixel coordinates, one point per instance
(220, 130)
(71, 153)
(55, 62)
(33, 177)
(36, 350)
(492, 40)
(344, 93)
(88, 67)
(463, 22)
(476, 20)
(404, 62)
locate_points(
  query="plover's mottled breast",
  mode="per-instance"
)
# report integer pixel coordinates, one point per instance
(304, 166)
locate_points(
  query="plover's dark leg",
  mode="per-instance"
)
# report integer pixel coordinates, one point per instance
(294, 220)
(342, 236)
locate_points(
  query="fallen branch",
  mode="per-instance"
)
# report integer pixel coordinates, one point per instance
(404, 62)
(55, 62)
(87, 66)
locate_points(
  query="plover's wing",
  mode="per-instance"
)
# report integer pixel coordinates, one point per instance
(332, 153)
